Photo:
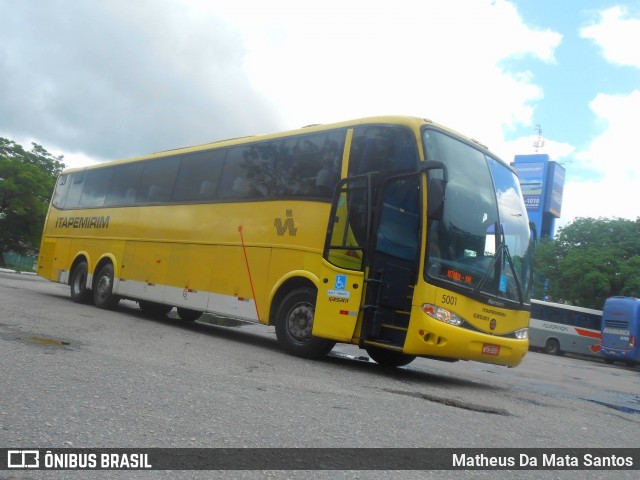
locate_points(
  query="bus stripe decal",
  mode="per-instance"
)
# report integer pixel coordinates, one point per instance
(246, 259)
(588, 333)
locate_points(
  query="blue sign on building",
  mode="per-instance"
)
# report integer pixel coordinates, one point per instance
(542, 183)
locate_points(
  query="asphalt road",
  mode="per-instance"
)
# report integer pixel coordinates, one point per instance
(76, 376)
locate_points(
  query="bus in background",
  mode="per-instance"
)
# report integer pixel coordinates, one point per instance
(557, 329)
(391, 233)
(621, 330)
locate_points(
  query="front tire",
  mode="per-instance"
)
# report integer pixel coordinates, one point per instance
(78, 284)
(103, 296)
(389, 358)
(294, 323)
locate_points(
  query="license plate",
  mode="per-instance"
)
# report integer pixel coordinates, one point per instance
(489, 349)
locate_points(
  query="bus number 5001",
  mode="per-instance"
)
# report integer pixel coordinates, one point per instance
(449, 300)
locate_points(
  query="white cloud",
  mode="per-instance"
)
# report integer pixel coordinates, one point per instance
(120, 78)
(607, 198)
(557, 151)
(614, 150)
(613, 154)
(321, 62)
(617, 35)
(111, 79)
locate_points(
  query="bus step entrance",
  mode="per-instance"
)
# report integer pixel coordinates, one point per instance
(387, 311)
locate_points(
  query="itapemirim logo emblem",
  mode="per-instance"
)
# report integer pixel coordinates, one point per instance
(286, 226)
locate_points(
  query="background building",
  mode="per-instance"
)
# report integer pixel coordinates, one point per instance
(542, 182)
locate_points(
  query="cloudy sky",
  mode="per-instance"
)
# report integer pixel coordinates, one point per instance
(99, 80)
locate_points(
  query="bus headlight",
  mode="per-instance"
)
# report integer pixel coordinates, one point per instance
(522, 334)
(442, 314)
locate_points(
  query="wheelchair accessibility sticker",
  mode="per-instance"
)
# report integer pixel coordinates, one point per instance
(339, 287)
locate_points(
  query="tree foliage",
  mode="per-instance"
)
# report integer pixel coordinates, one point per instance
(27, 179)
(589, 261)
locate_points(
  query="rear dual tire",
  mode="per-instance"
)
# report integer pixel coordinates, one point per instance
(103, 296)
(78, 283)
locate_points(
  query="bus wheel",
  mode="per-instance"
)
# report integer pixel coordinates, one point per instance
(103, 296)
(389, 358)
(154, 309)
(79, 291)
(188, 315)
(294, 322)
(552, 347)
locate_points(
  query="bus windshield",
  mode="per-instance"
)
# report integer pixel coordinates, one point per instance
(481, 244)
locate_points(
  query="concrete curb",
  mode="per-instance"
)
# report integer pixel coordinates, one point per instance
(7, 270)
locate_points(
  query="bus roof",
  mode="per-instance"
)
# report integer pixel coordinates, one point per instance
(567, 307)
(415, 123)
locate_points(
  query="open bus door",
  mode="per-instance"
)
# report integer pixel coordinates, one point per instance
(343, 263)
(372, 253)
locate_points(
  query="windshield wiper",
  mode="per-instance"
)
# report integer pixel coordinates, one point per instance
(513, 271)
(501, 246)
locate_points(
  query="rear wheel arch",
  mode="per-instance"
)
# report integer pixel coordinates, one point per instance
(103, 260)
(79, 258)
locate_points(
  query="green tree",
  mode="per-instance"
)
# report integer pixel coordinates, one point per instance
(27, 179)
(590, 260)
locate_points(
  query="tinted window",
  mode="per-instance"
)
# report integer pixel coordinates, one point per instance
(310, 165)
(249, 171)
(75, 190)
(382, 149)
(536, 311)
(158, 177)
(198, 176)
(557, 315)
(95, 187)
(399, 228)
(124, 184)
(60, 194)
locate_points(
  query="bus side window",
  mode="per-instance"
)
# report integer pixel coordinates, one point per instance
(158, 178)
(60, 193)
(75, 190)
(124, 184)
(536, 311)
(198, 176)
(382, 149)
(330, 164)
(234, 173)
(555, 315)
(249, 171)
(309, 165)
(95, 187)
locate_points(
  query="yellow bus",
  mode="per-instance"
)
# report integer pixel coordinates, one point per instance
(391, 233)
